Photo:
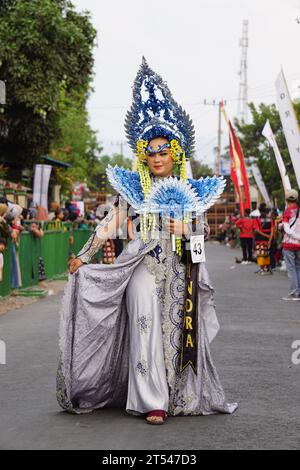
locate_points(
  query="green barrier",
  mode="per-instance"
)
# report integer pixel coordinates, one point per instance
(6, 281)
(30, 249)
(54, 248)
(80, 238)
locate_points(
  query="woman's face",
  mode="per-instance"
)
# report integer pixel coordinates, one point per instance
(160, 163)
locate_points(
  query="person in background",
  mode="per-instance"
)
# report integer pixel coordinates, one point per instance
(36, 260)
(274, 251)
(59, 215)
(13, 218)
(3, 245)
(247, 227)
(82, 224)
(263, 239)
(232, 239)
(223, 231)
(33, 210)
(42, 214)
(66, 215)
(291, 243)
(53, 208)
(4, 228)
(72, 210)
(25, 215)
(91, 215)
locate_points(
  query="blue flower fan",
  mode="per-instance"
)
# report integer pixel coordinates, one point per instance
(167, 194)
(127, 184)
(172, 196)
(208, 190)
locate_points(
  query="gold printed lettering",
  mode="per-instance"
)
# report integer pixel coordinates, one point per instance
(188, 323)
(189, 342)
(188, 305)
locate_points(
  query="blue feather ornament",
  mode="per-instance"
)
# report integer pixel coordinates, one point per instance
(169, 194)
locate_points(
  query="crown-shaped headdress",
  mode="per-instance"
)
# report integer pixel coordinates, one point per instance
(154, 113)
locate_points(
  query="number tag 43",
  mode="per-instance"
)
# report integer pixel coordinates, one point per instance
(197, 248)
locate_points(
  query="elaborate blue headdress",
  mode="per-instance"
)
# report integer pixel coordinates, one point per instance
(154, 113)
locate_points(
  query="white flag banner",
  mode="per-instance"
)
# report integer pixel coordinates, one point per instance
(268, 134)
(41, 184)
(260, 184)
(289, 122)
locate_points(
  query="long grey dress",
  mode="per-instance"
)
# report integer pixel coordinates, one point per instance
(120, 336)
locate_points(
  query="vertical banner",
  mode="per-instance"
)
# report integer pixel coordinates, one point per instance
(239, 175)
(289, 122)
(268, 134)
(41, 184)
(260, 184)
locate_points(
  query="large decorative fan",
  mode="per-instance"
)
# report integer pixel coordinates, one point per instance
(192, 196)
(173, 195)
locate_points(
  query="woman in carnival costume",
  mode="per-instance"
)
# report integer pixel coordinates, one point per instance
(136, 333)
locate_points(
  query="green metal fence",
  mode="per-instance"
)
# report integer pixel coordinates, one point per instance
(54, 248)
(6, 280)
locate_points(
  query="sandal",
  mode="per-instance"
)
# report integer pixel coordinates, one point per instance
(156, 417)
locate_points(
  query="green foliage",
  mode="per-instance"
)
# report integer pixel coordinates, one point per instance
(116, 159)
(255, 145)
(76, 143)
(200, 169)
(46, 49)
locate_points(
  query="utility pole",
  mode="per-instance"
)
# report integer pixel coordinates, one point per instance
(242, 111)
(121, 143)
(218, 148)
(218, 155)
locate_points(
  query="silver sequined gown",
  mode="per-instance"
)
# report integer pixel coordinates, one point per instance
(120, 336)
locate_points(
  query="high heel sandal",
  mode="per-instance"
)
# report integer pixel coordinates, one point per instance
(156, 414)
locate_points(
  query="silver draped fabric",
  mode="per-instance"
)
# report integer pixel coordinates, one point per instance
(120, 337)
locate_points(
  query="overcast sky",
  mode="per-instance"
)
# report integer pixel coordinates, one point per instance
(194, 45)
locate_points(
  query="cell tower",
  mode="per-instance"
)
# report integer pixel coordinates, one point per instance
(243, 86)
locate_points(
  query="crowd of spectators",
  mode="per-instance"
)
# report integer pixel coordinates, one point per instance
(268, 237)
(14, 220)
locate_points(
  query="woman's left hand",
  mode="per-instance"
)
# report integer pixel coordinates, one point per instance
(176, 227)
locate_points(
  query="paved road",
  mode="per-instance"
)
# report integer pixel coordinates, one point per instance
(252, 353)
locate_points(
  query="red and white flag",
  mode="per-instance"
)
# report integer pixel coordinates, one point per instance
(239, 175)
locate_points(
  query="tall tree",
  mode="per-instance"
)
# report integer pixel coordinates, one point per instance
(76, 143)
(46, 48)
(200, 169)
(255, 145)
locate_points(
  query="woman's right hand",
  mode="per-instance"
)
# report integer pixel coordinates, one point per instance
(74, 265)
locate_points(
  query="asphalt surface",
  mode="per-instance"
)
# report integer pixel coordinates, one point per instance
(252, 353)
